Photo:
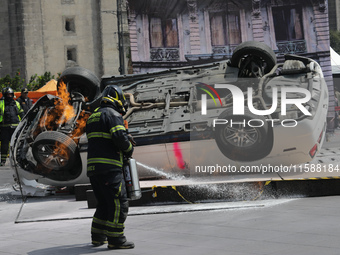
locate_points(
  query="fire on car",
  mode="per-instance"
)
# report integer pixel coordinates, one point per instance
(247, 110)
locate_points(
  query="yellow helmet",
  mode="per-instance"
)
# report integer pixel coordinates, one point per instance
(113, 94)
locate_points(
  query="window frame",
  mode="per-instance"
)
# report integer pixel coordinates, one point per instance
(70, 20)
(286, 11)
(163, 30)
(71, 53)
(226, 27)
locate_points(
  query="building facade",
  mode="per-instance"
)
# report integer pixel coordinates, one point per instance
(38, 36)
(112, 37)
(334, 14)
(166, 34)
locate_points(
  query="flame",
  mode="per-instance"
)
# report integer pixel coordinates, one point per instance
(63, 112)
(81, 124)
(63, 105)
(60, 114)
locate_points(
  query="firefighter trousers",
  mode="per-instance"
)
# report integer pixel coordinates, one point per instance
(5, 138)
(112, 207)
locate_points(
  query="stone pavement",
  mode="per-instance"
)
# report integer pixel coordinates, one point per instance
(61, 225)
(289, 225)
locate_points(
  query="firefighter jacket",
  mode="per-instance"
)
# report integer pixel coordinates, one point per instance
(25, 104)
(10, 113)
(107, 141)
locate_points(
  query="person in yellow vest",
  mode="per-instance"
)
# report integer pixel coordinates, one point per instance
(10, 116)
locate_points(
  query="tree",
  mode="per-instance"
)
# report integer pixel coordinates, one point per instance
(17, 83)
(335, 40)
(37, 82)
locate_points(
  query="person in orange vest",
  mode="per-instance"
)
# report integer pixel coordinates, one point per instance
(10, 116)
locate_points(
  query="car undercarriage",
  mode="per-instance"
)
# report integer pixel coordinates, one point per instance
(172, 106)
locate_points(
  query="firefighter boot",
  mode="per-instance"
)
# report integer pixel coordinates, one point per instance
(98, 239)
(125, 245)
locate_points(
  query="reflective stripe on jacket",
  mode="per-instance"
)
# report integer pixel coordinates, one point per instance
(107, 141)
(2, 112)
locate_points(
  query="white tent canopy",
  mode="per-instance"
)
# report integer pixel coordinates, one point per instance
(335, 61)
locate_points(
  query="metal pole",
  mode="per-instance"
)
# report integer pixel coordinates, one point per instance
(120, 38)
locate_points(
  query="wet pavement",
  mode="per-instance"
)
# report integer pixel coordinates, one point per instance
(259, 225)
(60, 225)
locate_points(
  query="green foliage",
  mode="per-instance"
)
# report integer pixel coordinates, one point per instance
(335, 40)
(37, 82)
(17, 83)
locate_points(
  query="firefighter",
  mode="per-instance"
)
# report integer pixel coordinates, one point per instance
(108, 144)
(10, 116)
(25, 102)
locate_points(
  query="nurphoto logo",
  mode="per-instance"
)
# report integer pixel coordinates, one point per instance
(239, 100)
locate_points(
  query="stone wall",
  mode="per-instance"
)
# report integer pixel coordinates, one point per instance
(39, 36)
(11, 38)
(5, 43)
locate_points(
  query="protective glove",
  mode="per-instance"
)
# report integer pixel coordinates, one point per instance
(132, 141)
(128, 155)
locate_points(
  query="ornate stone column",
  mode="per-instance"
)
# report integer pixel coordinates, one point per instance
(257, 21)
(195, 41)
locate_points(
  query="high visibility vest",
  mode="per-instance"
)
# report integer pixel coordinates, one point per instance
(2, 109)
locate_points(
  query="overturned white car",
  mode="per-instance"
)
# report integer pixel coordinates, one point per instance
(247, 110)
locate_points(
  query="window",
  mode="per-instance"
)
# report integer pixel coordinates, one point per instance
(225, 28)
(217, 24)
(288, 23)
(234, 28)
(71, 54)
(163, 33)
(69, 25)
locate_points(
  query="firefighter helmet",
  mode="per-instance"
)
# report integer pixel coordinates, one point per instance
(114, 95)
(7, 91)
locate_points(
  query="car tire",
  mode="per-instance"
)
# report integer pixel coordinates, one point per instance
(55, 151)
(242, 142)
(257, 49)
(79, 79)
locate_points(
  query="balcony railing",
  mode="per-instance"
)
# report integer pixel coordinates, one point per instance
(164, 54)
(291, 47)
(227, 50)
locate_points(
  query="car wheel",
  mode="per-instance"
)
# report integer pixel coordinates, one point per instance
(79, 79)
(258, 51)
(54, 150)
(241, 137)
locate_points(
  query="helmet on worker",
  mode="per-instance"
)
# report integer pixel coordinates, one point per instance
(8, 93)
(113, 95)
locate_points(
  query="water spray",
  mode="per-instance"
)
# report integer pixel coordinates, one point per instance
(160, 172)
